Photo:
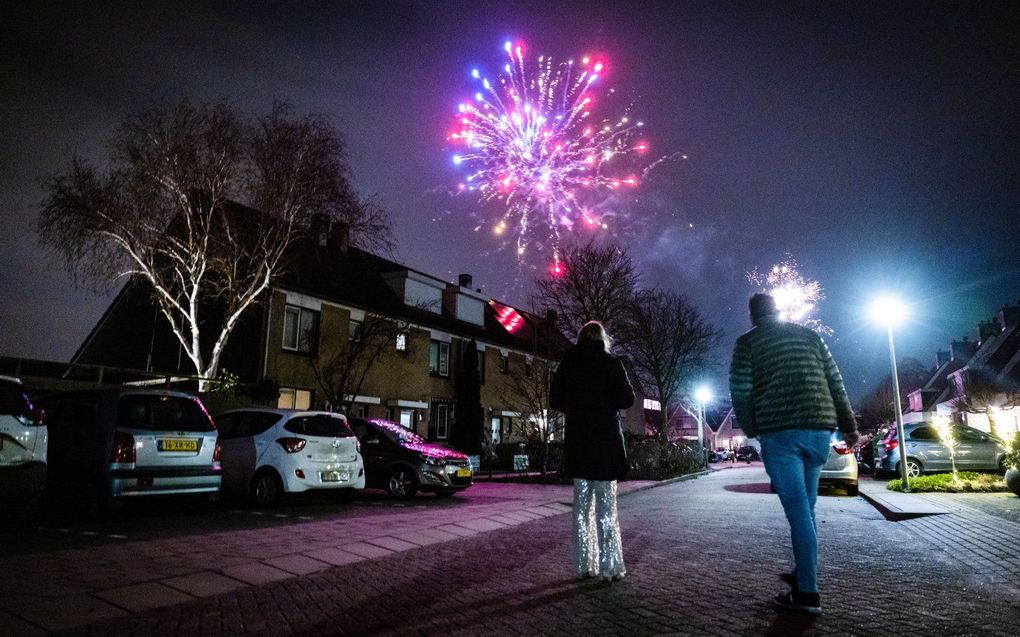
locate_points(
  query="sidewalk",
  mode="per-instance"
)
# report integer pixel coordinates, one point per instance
(702, 558)
(75, 587)
(897, 506)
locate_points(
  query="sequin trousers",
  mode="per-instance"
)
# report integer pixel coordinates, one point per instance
(597, 547)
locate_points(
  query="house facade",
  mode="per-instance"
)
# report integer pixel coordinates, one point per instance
(322, 319)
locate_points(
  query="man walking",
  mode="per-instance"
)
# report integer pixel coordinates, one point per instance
(787, 391)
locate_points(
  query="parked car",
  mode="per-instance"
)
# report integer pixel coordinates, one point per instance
(840, 469)
(403, 463)
(270, 452)
(23, 445)
(747, 453)
(111, 444)
(976, 451)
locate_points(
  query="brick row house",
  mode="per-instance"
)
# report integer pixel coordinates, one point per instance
(976, 382)
(316, 314)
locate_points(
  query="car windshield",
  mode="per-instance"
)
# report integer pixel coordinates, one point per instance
(162, 413)
(319, 425)
(398, 433)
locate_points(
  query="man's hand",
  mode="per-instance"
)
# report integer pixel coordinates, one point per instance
(851, 438)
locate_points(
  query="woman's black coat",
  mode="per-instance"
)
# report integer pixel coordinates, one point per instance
(589, 387)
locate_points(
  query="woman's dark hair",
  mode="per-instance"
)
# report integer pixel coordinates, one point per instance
(594, 331)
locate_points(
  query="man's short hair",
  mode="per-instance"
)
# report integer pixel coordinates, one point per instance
(762, 305)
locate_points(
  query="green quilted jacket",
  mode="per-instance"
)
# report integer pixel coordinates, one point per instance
(783, 377)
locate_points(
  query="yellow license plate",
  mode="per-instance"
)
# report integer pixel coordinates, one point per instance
(463, 473)
(178, 444)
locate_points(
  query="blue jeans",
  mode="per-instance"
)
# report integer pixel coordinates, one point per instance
(793, 459)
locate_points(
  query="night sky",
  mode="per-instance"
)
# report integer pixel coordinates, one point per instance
(878, 144)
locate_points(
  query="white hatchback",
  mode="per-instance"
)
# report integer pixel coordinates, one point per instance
(23, 443)
(269, 452)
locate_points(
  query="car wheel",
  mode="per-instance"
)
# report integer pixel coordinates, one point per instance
(402, 483)
(914, 468)
(852, 489)
(266, 488)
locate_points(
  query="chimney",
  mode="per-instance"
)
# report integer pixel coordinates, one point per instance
(1009, 316)
(318, 228)
(986, 329)
(341, 237)
(962, 350)
(464, 281)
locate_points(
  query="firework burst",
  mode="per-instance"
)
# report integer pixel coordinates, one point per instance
(530, 141)
(796, 297)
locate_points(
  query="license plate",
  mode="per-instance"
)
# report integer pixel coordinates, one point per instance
(334, 476)
(177, 444)
(463, 473)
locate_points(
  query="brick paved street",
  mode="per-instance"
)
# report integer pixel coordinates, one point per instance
(702, 557)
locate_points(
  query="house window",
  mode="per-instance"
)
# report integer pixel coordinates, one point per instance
(504, 363)
(481, 367)
(439, 358)
(401, 342)
(354, 331)
(439, 419)
(529, 366)
(291, 398)
(300, 327)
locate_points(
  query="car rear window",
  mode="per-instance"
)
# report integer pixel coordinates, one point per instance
(162, 413)
(14, 400)
(325, 426)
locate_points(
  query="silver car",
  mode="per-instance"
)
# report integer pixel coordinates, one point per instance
(840, 468)
(109, 444)
(976, 451)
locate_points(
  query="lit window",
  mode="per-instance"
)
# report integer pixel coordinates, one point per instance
(401, 342)
(291, 398)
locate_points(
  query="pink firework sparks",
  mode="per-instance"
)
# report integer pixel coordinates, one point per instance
(530, 140)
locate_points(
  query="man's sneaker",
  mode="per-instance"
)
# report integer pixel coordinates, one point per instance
(808, 603)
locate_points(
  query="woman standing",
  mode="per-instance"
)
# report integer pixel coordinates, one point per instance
(589, 387)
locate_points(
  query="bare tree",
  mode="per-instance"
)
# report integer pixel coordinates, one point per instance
(597, 283)
(877, 406)
(342, 372)
(164, 209)
(985, 393)
(668, 342)
(526, 390)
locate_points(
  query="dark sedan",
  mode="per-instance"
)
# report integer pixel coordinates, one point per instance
(403, 463)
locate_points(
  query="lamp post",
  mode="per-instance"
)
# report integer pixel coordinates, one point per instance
(702, 394)
(889, 311)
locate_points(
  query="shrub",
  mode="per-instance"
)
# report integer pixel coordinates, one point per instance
(652, 459)
(967, 482)
(1012, 457)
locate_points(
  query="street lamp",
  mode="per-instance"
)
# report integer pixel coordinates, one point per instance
(889, 310)
(702, 394)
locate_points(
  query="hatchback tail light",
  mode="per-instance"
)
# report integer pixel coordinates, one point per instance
(842, 448)
(890, 445)
(123, 451)
(217, 452)
(292, 445)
